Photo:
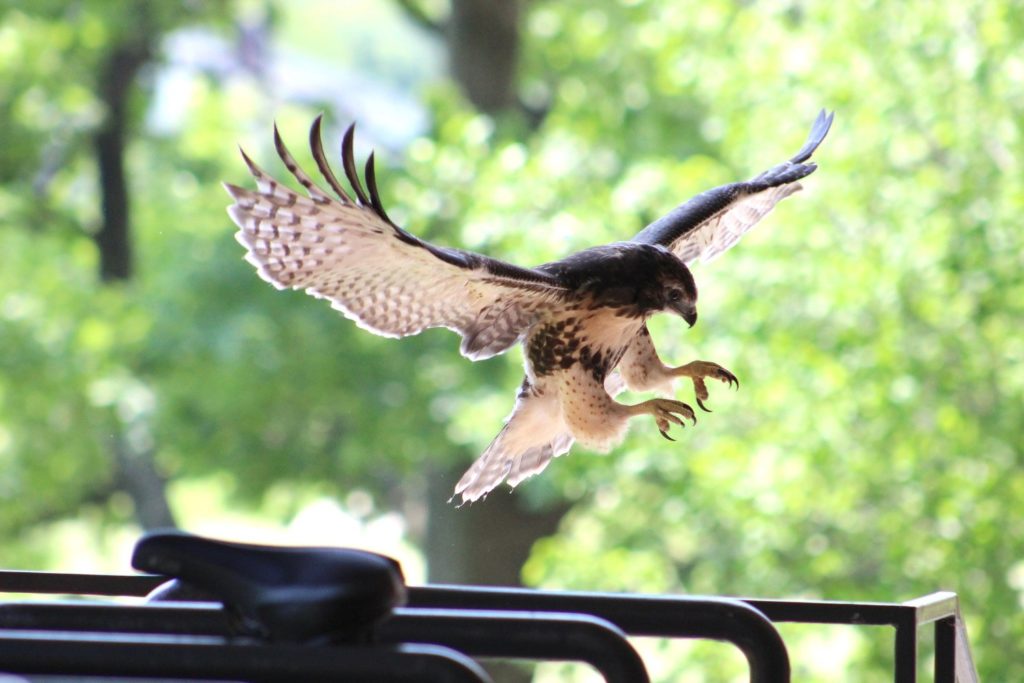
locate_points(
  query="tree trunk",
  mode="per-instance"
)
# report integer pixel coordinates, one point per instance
(115, 83)
(483, 51)
(138, 476)
(136, 472)
(485, 543)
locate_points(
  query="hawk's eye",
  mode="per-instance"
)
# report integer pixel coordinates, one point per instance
(674, 295)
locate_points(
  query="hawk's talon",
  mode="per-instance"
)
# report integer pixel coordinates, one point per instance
(703, 407)
(666, 412)
(727, 377)
(698, 370)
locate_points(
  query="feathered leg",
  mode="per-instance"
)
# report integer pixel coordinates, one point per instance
(643, 370)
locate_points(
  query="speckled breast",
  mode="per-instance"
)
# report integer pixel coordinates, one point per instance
(595, 341)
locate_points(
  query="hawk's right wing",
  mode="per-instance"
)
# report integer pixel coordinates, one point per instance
(713, 221)
(384, 278)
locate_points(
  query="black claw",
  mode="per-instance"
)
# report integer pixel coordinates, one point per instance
(724, 375)
(703, 407)
(665, 434)
(692, 415)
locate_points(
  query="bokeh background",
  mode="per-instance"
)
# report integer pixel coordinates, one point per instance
(876, 320)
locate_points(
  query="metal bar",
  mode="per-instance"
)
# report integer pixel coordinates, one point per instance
(933, 607)
(676, 617)
(515, 635)
(522, 635)
(830, 612)
(201, 619)
(945, 650)
(12, 581)
(905, 651)
(28, 652)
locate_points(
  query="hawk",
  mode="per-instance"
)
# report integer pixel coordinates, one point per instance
(582, 320)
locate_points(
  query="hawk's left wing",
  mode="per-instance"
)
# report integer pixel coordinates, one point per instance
(347, 250)
(713, 221)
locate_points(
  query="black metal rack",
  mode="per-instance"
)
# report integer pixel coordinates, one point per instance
(437, 634)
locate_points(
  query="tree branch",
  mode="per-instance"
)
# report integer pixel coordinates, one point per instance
(414, 12)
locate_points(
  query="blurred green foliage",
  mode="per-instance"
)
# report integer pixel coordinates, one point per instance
(876, 320)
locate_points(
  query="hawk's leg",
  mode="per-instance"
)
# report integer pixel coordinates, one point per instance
(598, 421)
(643, 370)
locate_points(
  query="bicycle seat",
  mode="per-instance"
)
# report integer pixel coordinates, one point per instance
(281, 593)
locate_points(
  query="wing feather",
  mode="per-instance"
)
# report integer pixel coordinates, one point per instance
(347, 250)
(316, 144)
(713, 221)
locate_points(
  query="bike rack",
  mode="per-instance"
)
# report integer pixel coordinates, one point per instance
(433, 636)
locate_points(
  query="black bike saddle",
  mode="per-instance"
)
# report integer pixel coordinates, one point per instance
(281, 593)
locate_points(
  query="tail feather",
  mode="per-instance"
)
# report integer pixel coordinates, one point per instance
(533, 461)
(533, 434)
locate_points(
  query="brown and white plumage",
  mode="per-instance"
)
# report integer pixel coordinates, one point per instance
(582, 320)
(389, 282)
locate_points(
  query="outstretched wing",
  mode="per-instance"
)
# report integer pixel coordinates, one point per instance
(533, 434)
(384, 278)
(713, 221)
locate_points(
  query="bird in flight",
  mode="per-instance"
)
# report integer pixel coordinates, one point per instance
(582, 320)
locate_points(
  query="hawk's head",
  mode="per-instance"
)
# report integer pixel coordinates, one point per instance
(673, 289)
(638, 279)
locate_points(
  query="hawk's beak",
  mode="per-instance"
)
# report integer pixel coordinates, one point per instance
(688, 313)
